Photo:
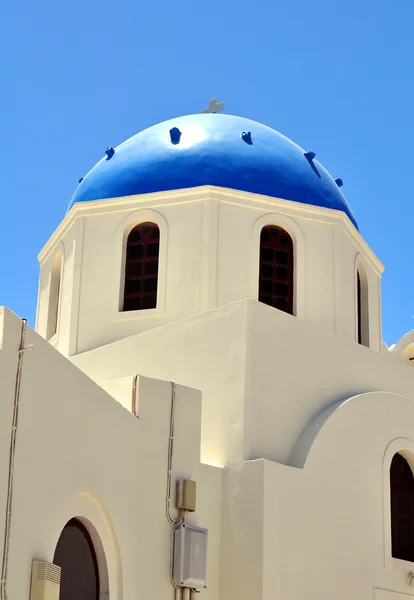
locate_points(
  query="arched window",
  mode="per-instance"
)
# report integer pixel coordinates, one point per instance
(362, 306)
(76, 556)
(141, 267)
(402, 509)
(359, 316)
(276, 268)
(54, 296)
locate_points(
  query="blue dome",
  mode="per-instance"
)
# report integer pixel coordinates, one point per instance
(212, 149)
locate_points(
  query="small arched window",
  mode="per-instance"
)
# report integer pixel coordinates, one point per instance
(402, 509)
(141, 267)
(359, 316)
(276, 268)
(54, 296)
(76, 556)
(362, 306)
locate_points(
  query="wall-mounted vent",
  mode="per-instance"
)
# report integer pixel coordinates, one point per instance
(45, 581)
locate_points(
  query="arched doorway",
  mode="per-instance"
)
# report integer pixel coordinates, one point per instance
(402, 508)
(76, 555)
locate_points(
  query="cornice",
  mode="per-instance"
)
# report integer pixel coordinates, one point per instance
(198, 194)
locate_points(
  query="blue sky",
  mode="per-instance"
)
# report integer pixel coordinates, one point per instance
(335, 76)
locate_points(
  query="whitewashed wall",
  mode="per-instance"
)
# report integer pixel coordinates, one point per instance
(263, 374)
(209, 257)
(80, 454)
(323, 530)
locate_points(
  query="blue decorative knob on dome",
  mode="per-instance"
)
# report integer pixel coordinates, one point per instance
(109, 152)
(175, 135)
(247, 137)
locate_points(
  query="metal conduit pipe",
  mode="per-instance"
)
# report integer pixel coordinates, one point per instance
(169, 461)
(12, 455)
(186, 593)
(181, 514)
(134, 407)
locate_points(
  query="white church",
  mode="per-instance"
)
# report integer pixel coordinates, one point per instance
(206, 405)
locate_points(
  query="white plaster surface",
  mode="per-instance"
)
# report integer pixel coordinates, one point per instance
(80, 454)
(287, 425)
(209, 251)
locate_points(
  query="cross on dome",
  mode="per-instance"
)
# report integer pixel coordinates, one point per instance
(213, 107)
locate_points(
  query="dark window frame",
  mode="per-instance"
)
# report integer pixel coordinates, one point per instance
(402, 509)
(362, 312)
(141, 267)
(359, 309)
(276, 268)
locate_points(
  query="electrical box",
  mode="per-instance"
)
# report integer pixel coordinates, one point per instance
(45, 581)
(190, 556)
(186, 495)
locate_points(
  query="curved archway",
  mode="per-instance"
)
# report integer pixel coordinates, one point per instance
(75, 554)
(402, 508)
